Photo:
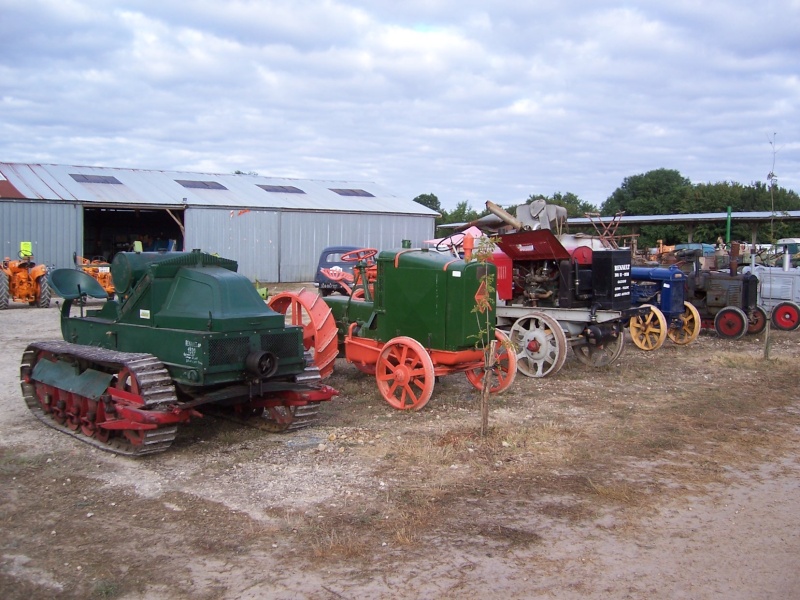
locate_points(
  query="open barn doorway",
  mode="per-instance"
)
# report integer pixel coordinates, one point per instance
(107, 231)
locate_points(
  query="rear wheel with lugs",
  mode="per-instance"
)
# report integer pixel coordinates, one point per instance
(309, 311)
(4, 295)
(44, 292)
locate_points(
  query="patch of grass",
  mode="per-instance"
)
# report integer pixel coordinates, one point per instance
(105, 590)
(619, 492)
(14, 464)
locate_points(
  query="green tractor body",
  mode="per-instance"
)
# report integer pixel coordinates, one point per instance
(194, 312)
(425, 295)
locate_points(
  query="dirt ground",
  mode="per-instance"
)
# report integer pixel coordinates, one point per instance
(673, 474)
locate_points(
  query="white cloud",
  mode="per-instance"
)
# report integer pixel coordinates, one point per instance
(462, 99)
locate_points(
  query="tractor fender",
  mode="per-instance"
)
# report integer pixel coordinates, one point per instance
(38, 271)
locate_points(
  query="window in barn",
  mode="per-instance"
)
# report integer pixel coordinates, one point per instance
(80, 178)
(346, 192)
(202, 185)
(281, 189)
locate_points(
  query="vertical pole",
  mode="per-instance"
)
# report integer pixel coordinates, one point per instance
(728, 228)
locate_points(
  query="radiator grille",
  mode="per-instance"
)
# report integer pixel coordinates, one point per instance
(282, 344)
(228, 351)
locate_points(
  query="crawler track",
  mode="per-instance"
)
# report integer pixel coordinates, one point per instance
(80, 416)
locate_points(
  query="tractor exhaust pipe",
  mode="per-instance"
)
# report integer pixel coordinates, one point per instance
(500, 212)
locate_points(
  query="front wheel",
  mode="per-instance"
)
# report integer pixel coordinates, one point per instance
(689, 329)
(504, 370)
(648, 332)
(404, 373)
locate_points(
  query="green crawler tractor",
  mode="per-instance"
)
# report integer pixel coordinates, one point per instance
(186, 332)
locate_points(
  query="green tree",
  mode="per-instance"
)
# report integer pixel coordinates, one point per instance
(429, 200)
(463, 213)
(574, 205)
(658, 192)
(432, 201)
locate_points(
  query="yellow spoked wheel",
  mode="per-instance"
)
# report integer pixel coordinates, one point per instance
(649, 331)
(689, 328)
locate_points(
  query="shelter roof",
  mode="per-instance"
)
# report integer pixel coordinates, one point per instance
(106, 186)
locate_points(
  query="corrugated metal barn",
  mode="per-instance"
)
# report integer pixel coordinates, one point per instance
(274, 227)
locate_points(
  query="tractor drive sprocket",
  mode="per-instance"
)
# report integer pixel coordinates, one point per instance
(137, 375)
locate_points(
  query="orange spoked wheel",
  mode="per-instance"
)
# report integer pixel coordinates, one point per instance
(504, 370)
(308, 310)
(404, 373)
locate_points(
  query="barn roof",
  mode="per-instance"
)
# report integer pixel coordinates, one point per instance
(105, 186)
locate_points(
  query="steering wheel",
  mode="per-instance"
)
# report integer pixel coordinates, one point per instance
(359, 255)
(443, 246)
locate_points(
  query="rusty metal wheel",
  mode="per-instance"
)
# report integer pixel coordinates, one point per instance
(757, 322)
(601, 356)
(649, 331)
(404, 373)
(505, 366)
(309, 311)
(689, 328)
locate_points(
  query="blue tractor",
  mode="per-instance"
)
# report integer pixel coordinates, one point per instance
(663, 289)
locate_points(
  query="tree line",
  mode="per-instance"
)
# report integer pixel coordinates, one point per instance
(663, 192)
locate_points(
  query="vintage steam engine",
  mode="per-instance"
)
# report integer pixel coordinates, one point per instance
(560, 292)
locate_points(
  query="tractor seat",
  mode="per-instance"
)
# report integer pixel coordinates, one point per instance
(71, 284)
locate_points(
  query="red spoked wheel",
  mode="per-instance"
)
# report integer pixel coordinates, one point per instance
(505, 366)
(404, 373)
(309, 311)
(359, 255)
(730, 323)
(786, 316)
(758, 322)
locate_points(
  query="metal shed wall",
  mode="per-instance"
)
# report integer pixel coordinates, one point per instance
(54, 229)
(250, 237)
(284, 246)
(305, 234)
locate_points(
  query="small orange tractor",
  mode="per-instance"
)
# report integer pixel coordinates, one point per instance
(23, 280)
(97, 268)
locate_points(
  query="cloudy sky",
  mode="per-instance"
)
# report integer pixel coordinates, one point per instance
(469, 100)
